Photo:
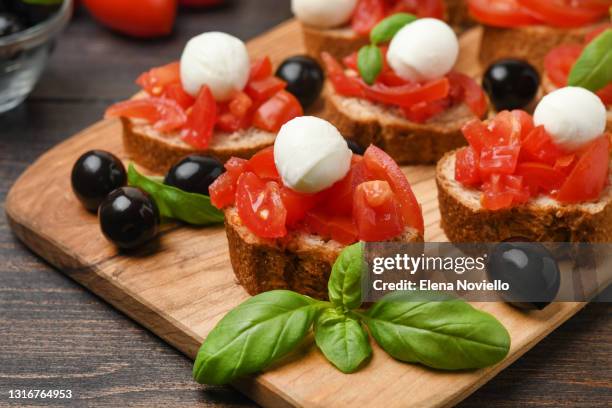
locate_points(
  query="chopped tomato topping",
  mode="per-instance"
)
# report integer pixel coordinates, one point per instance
(260, 69)
(175, 92)
(559, 62)
(540, 177)
(278, 110)
(262, 164)
(368, 13)
(467, 165)
(165, 114)
(502, 191)
(344, 85)
(341, 193)
(297, 204)
(408, 94)
(563, 13)
(337, 227)
(156, 79)
(470, 92)
(201, 120)
(263, 89)
(376, 211)
(260, 206)
(383, 167)
(501, 13)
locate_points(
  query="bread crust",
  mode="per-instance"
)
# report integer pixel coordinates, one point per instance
(542, 220)
(299, 262)
(530, 43)
(158, 153)
(409, 143)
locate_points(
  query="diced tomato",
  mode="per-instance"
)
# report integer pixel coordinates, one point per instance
(559, 62)
(344, 85)
(503, 191)
(605, 94)
(563, 13)
(409, 94)
(498, 159)
(383, 167)
(476, 133)
(466, 167)
(156, 79)
(262, 164)
(235, 166)
(223, 189)
(260, 206)
(350, 61)
(423, 111)
(376, 211)
(240, 104)
(501, 13)
(505, 129)
(201, 120)
(228, 122)
(336, 227)
(176, 92)
(538, 146)
(297, 204)
(367, 14)
(164, 114)
(277, 111)
(565, 163)
(340, 195)
(421, 8)
(539, 177)
(263, 89)
(260, 69)
(590, 174)
(525, 121)
(472, 93)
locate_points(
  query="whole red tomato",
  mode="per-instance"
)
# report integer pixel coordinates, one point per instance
(138, 18)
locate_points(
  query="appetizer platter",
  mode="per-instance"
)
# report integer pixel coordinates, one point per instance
(218, 138)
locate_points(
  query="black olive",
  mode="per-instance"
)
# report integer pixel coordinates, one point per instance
(94, 175)
(511, 84)
(530, 270)
(128, 217)
(10, 24)
(304, 78)
(355, 147)
(194, 174)
(33, 13)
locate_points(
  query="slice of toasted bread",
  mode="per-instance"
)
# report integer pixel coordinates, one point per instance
(530, 43)
(386, 127)
(342, 41)
(159, 151)
(300, 262)
(548, 87)
(542, 219)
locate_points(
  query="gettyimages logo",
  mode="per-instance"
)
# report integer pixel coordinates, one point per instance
(524, 273)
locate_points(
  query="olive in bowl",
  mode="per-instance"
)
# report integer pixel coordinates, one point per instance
(129, 217)
(511, 84)
(304, 78)
(94, 175)
(194, 174)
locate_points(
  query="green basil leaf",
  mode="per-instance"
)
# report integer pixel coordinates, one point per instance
(342, 340)
(593, 70)
(369, 63)
(449, 335)
(387, 28)
(344, 286)
(253, 335)
(174, 203)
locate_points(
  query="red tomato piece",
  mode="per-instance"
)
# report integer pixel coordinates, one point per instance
(421, 8)
(223, 189)
(344, 85)
(503, 191)
(605, 94)
(409, 94)
(341, 193)
(466, 167)
(505, 129)
(423, 111)
(138, 18)
(471, 93)
(538, 146)
(376, 212)
(235, 166)
(590, 174)
(260, 69)
(240, 104)
(498, 160)
(565, 163)
(262, 164)
(263, 89)
(156, 79)
(476, 133)
(501, 13)
(559, 62)
(525, 121)
(297, 204)
(338, 228)
(539, 177)
(260, 206)
(367, 14)
(562, 13)
(277, 111)
(175, 92)
(201, 120)
(383, 167)
(164, 114)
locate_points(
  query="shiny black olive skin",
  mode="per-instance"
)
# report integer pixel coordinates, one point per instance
(511, 84)
(355, 147)
(94, 175)
(129, 217)
(530, 270)
(304, 78)
(194, 174)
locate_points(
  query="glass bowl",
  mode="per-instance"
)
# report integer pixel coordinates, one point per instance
(23, 56)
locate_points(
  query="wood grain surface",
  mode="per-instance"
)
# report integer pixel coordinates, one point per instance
(58, 335)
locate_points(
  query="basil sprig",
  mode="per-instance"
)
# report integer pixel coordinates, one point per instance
(593, 69)
(172, 202)
(426, 328)
(369, 57)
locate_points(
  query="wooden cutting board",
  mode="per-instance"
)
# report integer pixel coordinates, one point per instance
(181, 286)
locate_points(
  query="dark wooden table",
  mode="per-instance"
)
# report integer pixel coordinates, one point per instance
(55, 334)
